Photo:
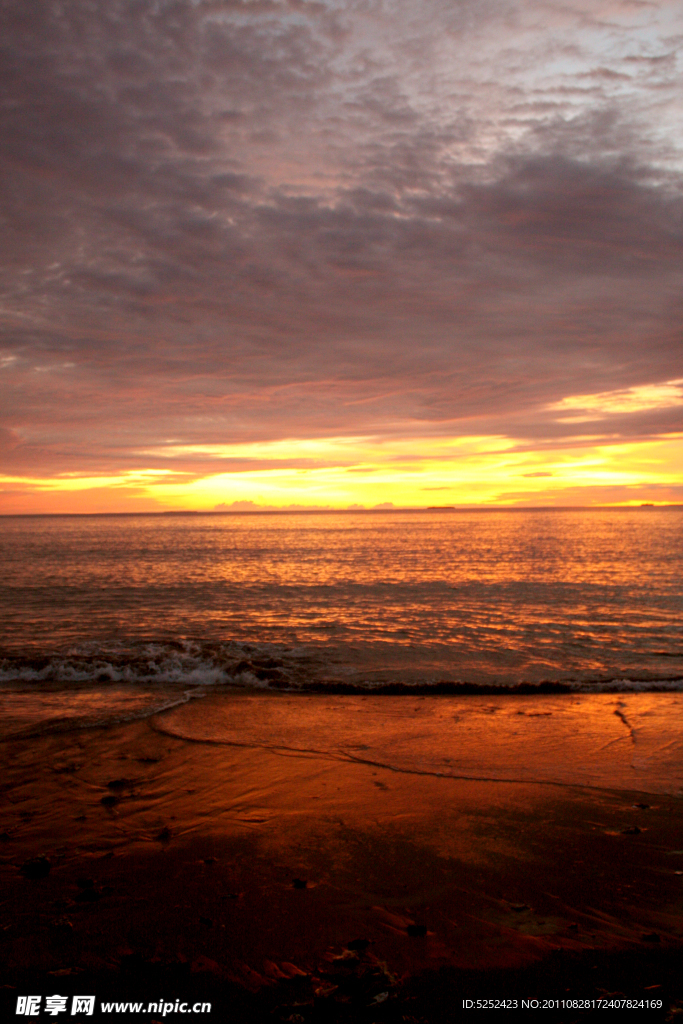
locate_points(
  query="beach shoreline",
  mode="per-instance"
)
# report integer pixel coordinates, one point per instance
(141, 862)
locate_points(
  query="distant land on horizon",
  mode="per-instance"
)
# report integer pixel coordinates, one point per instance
(165, 513)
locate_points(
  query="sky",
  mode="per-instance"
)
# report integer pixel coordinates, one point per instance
(339, 253)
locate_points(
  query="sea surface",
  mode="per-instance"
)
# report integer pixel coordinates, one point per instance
(111, 617)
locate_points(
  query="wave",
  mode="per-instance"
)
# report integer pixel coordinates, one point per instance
(182, 662)
(29, 722)
(200, 665)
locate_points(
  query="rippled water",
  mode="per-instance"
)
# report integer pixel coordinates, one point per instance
(494, 598)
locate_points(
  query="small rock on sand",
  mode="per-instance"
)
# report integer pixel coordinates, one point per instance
(38, 867)
(358, 944)
(88, 896)
(417, 930)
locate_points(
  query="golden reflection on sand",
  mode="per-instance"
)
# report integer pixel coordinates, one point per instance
(293, 842)
(616, 741)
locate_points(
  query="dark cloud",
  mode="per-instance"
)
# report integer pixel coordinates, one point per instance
(234, 221)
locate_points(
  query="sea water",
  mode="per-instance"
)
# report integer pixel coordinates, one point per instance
(111, 617)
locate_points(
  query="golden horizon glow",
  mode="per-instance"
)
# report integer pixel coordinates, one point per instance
(362, 471)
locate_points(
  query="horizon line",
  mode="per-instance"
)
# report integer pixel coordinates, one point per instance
(348, 511)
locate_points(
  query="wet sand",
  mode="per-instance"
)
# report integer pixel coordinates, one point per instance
(311, 884)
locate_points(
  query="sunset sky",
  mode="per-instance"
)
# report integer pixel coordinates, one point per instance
(340, 252)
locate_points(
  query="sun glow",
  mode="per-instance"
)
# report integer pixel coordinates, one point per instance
(367, 472)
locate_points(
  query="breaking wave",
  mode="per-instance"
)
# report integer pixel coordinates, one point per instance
(192, 663)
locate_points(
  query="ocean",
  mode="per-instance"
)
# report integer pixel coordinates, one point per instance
(111, 617)
(445, 742)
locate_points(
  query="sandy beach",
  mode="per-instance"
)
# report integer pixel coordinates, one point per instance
(285, 883)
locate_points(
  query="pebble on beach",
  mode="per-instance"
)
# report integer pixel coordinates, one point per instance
(417, 930)
(37, 867)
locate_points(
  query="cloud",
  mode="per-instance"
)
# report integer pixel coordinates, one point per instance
(235, 222)
(253, 506)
